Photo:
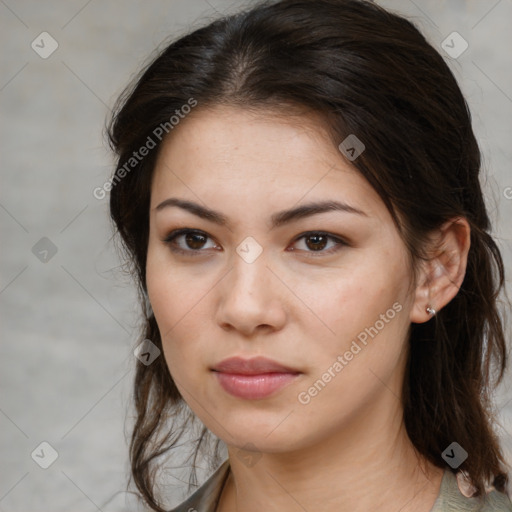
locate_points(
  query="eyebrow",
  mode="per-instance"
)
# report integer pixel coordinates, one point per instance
(277, 219)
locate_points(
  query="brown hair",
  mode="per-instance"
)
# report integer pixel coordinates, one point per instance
(370, 73)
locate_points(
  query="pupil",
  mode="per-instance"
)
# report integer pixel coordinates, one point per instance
(316, 242)
(191, 239)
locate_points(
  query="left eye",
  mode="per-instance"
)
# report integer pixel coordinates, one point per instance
(315, 242)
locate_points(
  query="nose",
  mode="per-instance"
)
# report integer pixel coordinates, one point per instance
(251, 298)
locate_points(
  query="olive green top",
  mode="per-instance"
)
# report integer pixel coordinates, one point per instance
(450, 498)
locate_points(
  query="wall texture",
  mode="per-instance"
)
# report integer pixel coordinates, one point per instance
(68, 314)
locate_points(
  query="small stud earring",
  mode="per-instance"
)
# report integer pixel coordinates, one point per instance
(431, 311)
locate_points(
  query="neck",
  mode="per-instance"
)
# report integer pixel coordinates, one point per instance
(368, 465)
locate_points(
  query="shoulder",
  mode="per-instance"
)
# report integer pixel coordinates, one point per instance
(206, 497)
(455, 496)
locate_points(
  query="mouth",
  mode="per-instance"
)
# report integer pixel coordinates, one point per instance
(253, 379)
(255, 366)
(254, 387)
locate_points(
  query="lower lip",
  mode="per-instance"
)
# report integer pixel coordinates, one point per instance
(254, 387)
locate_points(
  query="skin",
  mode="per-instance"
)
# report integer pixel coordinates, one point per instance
(347, 448)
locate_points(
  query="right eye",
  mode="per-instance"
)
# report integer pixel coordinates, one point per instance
(193, 240)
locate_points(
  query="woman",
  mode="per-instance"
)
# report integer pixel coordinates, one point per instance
(298, 192)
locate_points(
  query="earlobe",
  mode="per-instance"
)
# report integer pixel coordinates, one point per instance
(431, 311)
(442, 274)
(425, 305)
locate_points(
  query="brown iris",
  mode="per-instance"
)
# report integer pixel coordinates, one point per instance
(319, 241)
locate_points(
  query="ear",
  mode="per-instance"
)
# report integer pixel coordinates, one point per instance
(442, 274)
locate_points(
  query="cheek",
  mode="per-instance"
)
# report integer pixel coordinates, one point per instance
(368, 322)
(179, 301)
(356, 294)
(172, 291)
(361, 312)
(179, 328)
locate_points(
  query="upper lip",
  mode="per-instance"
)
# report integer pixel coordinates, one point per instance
(254, 366)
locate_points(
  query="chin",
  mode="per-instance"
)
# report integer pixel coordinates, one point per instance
(260, 434)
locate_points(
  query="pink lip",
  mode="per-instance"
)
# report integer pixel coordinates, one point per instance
(254, 366)
(253, 378)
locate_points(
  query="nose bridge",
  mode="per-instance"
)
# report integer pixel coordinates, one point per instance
(249, 273)
(249, 297)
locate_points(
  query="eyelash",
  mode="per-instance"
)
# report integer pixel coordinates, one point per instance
(171, 237)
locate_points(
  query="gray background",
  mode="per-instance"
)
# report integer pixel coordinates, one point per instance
(68, 324)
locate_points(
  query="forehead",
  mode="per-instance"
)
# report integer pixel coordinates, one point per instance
(226, 153)
(228, 134)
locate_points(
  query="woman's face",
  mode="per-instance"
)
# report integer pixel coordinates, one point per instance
(333, 307)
